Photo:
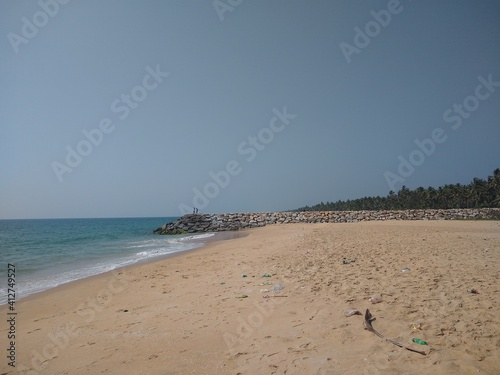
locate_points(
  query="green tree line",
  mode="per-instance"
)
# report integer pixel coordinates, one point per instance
(478, 193)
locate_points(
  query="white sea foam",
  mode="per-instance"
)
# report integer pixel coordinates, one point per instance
(68, 270)
(197, 236)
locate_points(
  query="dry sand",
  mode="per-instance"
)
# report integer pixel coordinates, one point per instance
(181, 315)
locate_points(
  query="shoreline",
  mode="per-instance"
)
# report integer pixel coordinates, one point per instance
(181, 315)
(220, 236)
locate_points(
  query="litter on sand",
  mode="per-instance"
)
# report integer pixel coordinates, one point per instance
(277, 288)
(419, 341)
(416, 326)
(375, 299)
(352, 312)
(348, 261)
(268, 296)
(368, 325)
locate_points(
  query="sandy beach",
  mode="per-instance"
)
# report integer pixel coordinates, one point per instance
(183, 315)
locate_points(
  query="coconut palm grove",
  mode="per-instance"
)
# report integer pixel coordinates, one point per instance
(479, 193)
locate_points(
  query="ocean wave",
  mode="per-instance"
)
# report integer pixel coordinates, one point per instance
(197, 236)
(68, 270)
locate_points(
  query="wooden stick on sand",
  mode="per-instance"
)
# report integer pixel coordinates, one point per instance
(368, 325)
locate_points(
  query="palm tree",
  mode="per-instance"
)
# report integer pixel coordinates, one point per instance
(478, 191)
(468, 194)
(421, 198)
(403, 197)
(433, 197)
(493, 187)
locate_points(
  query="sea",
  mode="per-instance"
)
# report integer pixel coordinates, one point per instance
(46, 253)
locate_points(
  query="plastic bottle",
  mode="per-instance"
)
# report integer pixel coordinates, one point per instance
(419, 341)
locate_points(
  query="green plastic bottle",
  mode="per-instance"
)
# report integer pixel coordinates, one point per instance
(419, 341)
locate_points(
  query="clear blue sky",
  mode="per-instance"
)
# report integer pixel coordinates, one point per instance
(178, 87)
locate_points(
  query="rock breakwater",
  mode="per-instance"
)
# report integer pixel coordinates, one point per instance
(199, 223)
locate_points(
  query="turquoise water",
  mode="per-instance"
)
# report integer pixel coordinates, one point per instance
(51, 252)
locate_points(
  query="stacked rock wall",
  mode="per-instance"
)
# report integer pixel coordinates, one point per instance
(198, 223)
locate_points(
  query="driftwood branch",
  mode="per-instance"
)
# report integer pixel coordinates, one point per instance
(368, 325)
